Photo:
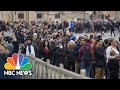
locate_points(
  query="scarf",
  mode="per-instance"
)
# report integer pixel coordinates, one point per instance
(30, 50)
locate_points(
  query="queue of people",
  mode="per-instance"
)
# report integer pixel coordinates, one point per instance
(52, 41)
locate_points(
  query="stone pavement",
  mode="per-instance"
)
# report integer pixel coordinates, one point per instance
(106, 35)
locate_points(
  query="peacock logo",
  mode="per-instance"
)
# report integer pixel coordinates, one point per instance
(17, 62)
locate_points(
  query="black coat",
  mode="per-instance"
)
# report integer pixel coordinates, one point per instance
(16, 47)
(112, 28)
(70, 54)
(36, 48)
(54, 48)
(61, 55)
(3, 60)
(76, 51)
(99, 57)
(113, 66)
(43, 55)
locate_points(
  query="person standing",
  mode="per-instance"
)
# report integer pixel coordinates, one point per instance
(113, 66)
(70, 56)
(60, 55)
(99, 59)
(112, 47)
(29, 47)
(76, 54)
(46, 52)
(86, 56)
(112, 28)
(72, 26)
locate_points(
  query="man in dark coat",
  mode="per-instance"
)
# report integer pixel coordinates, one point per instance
(76, 54)
(112, 28)
(61, 56)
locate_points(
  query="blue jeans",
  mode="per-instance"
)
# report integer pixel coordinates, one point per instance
(88, 67)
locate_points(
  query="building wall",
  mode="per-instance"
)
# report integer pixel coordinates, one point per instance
(111, 13)
(32, 15)
(13, 15)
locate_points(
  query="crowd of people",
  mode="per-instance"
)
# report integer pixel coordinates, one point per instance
(56, 41)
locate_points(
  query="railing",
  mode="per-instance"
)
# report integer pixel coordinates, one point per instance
(44, 70)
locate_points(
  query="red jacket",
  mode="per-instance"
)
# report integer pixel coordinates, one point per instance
(82, 49)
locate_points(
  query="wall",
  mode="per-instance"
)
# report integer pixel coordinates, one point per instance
(64, 16)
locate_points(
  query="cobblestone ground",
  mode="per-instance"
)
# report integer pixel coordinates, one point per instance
(106, 35)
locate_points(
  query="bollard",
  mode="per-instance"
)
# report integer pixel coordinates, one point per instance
(48, 61)
(61, 76)
(61, 65)
(83, 73)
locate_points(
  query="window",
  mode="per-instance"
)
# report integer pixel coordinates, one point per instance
(78, 19)
(39, 15)
(57, 15)
(20, 15)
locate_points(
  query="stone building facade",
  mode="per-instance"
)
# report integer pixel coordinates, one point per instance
(50, 15)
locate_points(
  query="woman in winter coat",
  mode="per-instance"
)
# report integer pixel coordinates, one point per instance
(46, 51)
(70, 56)
(60, 55)
(99, 52)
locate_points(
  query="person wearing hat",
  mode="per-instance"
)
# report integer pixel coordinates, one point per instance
(29, 47)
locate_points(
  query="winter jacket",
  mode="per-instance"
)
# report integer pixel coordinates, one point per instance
(70, 54)
(82, 50)
(16, 47)
(113, 66)
(72, 24)
(76, 51)
(99, 57)
(60, 55)
(43, 55)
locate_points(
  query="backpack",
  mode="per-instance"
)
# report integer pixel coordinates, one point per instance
(87, 58)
